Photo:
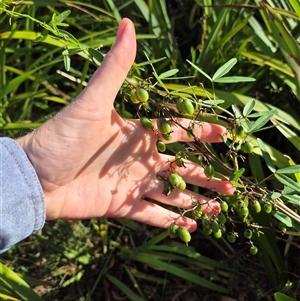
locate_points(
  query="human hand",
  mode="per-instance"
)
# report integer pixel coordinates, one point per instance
(93, 163)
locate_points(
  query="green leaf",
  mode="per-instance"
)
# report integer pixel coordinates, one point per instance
(67, 60)
(289, 169)
(124, 288)
(248, 107)
(224, 69)
(213, 101)
(237, 174)
(283, 218)
(199, 70)
(266, 155)
(282, 297)
(168, 73)
(62, 16)
(234, 79)
(261, 121)
(292, 199)
(177, 270)
(16, 286)
(285, 180)
(96, 54)
(287, 132)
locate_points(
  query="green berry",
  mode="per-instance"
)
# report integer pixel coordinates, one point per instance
(231, 237)
(133, 97)
(218, 234)
(147, 123)
(184, 234)
(197, 212)
(248, 233)
(172, 230)
(161, 146)
(215, 226)
(268, 207)
(209, 171)
(224, 206)
(244, 211)
(207, 231)
(240, 132)
(205, 221)
(142, 94)
(256, 206)
(222, 218)
(167, 137)
(187, 107)
(253, 250)
(164, 126)
(177, 181)
(247, 147)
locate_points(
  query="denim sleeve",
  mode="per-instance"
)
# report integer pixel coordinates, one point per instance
(22, 209)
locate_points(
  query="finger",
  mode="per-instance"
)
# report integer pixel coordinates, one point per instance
(157, 216)
(107, 80)
(204, 131)
(183, 199)
(193, 174)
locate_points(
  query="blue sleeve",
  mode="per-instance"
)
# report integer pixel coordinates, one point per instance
(22, 209)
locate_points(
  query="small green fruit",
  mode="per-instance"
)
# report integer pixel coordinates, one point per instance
(160, 146)
(253, 250)
(244, 211)
(164, 126)
(222, 218)
(197, 212)
(218, 234)
(207, 231)
(256, 206)
(147, 123)
(240, 132)
(224, 206)
(215, 226)
(177, 181)
(231, 237)
(133, 97)
(209, 171)
(184, 234)
(248, 233)
(268, 207)
(187, 107)
(167, 137)
(142, 94)
(172, 230)
(247, 147)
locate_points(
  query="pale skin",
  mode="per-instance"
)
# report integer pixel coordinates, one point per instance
(92, 163)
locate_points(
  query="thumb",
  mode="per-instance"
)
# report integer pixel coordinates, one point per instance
(108, 78)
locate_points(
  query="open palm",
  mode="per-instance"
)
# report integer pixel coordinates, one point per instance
(92, 163)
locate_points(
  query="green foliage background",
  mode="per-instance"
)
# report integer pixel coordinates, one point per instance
(102, 259)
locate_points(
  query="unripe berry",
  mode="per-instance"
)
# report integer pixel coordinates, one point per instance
(184, 234)
(142, 94)
(161, 146)
(164, 126)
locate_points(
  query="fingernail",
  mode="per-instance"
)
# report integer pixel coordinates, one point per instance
(121, 29)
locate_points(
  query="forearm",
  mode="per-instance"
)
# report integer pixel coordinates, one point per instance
(22, 209)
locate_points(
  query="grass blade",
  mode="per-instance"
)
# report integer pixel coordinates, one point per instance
(125, 289)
